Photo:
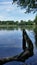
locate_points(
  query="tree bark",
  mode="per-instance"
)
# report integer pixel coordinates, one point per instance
(21, 57)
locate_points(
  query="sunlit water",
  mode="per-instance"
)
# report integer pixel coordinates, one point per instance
(11, 44)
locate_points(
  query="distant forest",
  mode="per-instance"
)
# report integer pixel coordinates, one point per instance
(29, 22)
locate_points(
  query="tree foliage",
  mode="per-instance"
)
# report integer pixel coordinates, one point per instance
(29, 22)
(29, 5)
(35, 20)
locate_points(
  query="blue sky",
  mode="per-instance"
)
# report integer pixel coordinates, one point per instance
(11, 12)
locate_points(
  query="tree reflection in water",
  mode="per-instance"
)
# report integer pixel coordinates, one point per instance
(35, 30)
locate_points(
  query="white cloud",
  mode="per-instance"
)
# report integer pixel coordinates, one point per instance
(7, 6)
(5, 17)
(1, 17)
(11, 12)
(5, 3)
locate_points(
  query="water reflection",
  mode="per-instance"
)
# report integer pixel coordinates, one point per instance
(11, 40)
(11, 35)
(17, 27)
(35, 30)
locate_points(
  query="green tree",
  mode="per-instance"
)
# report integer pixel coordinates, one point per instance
(30, 22)
(0, 22)
(31, 5)
(35, 20)
(21, 22)
(16, 22)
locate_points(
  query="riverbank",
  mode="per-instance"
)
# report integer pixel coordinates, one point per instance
(12, 27)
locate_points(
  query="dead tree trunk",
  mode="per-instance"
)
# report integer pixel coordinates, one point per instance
(28, 52)
(21, 57)
(24, 40)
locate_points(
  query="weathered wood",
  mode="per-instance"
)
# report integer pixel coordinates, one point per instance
(29, 42)
(28, 52)
(21, 57)
(24, 40)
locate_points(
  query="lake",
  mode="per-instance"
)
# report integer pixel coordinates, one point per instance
(11, 44)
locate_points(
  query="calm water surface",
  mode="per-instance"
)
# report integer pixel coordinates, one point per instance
(11, 44)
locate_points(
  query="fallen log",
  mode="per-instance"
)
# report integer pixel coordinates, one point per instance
(28, 40)
(21, 57)
(28, 52)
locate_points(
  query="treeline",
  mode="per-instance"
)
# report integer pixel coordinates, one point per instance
(16, 23)
(29, 22)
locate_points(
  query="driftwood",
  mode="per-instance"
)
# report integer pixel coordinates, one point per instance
(28, 52)
(29, 42)
(21, 57)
